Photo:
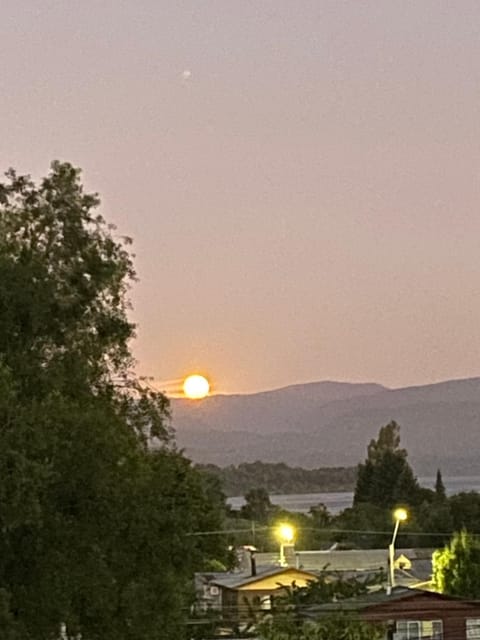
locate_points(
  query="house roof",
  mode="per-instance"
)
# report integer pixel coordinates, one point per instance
(381, 597)
(357, 559)
(235, 580)
(362, 562)
(358, 562)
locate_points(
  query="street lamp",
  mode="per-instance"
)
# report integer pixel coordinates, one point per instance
(285, 534)
(400, 515)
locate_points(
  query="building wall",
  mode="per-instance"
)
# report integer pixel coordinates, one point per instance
(452, 613)
(271, 583)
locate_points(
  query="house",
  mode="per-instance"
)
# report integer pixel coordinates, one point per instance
(410, 614)
(236, 593)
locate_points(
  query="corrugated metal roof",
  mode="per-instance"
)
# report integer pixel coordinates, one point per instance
(357, 559)
(347, 560)
(360, 562)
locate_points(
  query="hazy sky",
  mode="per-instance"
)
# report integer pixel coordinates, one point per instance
(301, 178)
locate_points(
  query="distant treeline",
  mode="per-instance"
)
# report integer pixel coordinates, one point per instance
(280, 478)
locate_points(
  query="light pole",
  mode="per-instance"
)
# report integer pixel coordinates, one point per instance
(400, 515)
(285, 534)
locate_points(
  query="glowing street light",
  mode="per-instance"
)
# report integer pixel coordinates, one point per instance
(286, 535)
(399, 515)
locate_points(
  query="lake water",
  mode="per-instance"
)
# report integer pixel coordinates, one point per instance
(339, 500)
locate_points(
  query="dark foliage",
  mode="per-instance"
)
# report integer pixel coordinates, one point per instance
(94, 526)
(280, 478)
(386, 479)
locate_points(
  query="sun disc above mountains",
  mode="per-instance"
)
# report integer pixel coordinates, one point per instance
(196, 387)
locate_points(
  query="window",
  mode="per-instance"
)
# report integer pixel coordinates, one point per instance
(419, 630)
(473, 628)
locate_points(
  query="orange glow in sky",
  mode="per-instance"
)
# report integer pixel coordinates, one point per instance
(300, 179)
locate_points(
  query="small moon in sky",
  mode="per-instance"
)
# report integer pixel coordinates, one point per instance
(186, 74)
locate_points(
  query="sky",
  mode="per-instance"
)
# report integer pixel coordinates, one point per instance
(301, 178)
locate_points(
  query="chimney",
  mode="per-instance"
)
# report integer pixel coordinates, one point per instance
(253, 563)
(246, 561)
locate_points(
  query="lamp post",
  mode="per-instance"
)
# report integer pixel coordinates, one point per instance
(285, 534)
(400, 515)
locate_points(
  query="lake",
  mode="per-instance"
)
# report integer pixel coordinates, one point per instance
(336, 501)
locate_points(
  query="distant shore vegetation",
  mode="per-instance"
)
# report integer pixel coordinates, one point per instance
(280, 478)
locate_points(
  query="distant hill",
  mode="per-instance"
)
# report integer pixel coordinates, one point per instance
(331, 423)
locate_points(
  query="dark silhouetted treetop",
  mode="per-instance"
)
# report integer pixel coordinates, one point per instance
(64, 276)
(386, 479)
(440, 493)
(257, 505)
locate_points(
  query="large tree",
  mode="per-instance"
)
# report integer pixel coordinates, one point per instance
(95, 524)
(257, 505)
(386, 479)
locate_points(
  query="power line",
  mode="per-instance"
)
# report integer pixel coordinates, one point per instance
(326, 531)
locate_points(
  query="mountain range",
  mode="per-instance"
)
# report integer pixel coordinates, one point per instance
(331, 423)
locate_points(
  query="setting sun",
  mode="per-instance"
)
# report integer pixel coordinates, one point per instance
(196, 387)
